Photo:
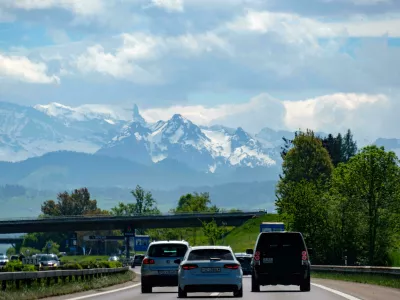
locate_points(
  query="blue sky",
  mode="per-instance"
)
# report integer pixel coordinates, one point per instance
(323, 64)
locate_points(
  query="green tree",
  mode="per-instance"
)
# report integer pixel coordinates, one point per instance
(54, 249)
(368, 186)
(74, 204)
(301, 202)
(212, 231)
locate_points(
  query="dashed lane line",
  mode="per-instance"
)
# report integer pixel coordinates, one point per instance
(346, 296)
(105, 293)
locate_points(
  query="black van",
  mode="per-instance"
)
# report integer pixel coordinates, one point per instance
(280, 258)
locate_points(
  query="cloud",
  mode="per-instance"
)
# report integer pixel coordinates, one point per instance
(87, 7)
(22, 69)
(168, 5)
(362, 113)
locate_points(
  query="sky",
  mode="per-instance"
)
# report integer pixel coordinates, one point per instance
(327, 65)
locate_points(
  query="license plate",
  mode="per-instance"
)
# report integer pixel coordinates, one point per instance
(268, 260)
(210, 270)
(169, 272)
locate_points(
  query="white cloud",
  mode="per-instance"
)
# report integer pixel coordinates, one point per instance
(86, 7)
(361, 113)
(296, 28)
(169, 5)
(132, 60)
(21, 68)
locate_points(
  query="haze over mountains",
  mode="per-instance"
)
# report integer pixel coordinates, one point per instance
(56, 147)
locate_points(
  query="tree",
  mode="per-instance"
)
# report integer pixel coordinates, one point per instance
(307, 169)
(54, 247)
(369, 185)
(145, 204)
(212, 231)
(74, 204)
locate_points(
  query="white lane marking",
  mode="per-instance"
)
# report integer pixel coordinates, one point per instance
(346, 296)
(214, 294)
(105, 293)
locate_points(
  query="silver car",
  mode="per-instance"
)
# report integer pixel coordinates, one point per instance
(210, 269)
(3, 260)
(160, 265)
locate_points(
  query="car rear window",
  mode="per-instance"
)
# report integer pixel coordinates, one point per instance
(168, 250)
(207, 254)
(281, 242)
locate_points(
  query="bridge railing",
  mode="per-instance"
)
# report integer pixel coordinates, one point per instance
(357, 270)
(259, 211)
(29, 277)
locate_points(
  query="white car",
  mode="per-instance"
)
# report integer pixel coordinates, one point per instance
(209, 269)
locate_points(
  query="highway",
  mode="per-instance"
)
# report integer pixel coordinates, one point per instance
(169, 293)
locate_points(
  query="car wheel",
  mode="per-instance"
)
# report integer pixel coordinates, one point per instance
(181, 293)
(255, 287)
(146, 289)
(305, 286)
(238, 293)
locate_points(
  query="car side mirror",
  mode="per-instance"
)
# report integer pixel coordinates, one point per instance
(249, 251)
(177, 261)
(310, 251)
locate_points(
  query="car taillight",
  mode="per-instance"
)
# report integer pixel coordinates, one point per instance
(304, 255)
(189, 267)
(232, 266)
(148, 261)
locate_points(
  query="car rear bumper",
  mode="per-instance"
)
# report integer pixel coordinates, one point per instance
(282, 278)
(160, 280)
(210, 284)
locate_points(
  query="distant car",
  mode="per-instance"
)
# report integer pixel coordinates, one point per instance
(137, 260)
(245, 262)
(14, 257)
(280, 258)
(159, 267)
(210, 269)
(3, 260)
(49, 261)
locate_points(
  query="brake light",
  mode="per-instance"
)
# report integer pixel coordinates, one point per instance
(189, 267)
(232, 267)
(304, 255)
(148, 261)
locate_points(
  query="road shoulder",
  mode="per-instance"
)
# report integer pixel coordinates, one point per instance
(360, 290)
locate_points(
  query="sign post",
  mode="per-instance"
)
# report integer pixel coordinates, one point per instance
(128, 232)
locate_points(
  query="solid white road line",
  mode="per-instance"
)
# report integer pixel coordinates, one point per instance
(346, 296)
(214, 294)
(105, 293)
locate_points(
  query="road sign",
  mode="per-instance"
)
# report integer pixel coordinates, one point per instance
(141, 242)
(129, 231)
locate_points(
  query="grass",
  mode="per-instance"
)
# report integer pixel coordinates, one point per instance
(382, 280)
(82, 258)
(42, 291)
(244, 237)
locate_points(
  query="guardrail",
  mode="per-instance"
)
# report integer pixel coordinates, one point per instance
(29, 277)
(357, 270)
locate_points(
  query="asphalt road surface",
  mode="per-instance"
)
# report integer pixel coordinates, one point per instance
(267, 292)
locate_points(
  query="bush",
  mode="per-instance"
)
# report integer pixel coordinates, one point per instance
(71, 266)
(17, 266)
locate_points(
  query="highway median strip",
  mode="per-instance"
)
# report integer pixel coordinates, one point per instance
(41, 289)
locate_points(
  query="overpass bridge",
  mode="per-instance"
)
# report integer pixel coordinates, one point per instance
(139, 221)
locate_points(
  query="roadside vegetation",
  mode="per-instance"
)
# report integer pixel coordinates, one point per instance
(38, 291)
(387, 281)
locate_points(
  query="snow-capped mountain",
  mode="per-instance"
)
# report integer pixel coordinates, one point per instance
(27, 132)
(202, 148)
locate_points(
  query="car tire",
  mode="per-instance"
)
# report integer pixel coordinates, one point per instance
(255, 286)
(181, 293)
(238, 293)
(146, 289)
(305, 286)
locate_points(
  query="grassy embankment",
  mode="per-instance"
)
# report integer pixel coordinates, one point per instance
(38, 291)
